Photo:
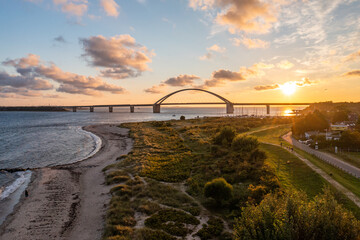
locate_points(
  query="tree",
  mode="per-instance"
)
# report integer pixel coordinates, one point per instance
(350, 139)
(293, 216)
(218, 189)
(340, 116)
(225, 136)
(357, 125)
(315, 121)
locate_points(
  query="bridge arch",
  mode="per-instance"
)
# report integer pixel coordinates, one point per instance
(229, 105)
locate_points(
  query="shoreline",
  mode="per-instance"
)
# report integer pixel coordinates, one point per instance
(69, 201)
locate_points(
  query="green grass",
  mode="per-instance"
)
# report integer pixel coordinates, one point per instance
(292, 172)
(272, 135)
(297, 174)
(348, 181)
(350, 157)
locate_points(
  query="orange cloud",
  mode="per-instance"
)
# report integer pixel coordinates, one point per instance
(285, 64)
(179, 81)
(250, 43)
(302, 83)
(353, 57)
(121, 56)
(155, 89)
(242, 15)
(73, 7)
(110, 7)
(216, 48)
(353, 73)
(211, 50)
(32, 73)
(266, 87)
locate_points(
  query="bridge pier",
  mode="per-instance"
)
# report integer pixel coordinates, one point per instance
(74, 109)
(267, 109)
(132, 109)
(91, 109)
(229, 108)
(156, 108)
(110, 109)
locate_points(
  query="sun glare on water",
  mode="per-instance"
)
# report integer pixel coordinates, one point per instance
(288, 112)
(288, 88)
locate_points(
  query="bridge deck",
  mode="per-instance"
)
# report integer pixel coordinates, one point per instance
(196, 103)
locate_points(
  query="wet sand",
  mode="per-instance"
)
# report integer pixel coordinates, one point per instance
(70, 201)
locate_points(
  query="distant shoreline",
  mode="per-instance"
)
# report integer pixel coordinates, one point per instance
(34, 109)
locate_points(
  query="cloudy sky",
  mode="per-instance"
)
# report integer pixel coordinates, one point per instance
(63, 52)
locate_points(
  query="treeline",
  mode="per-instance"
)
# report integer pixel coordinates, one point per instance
(348, 140)
(34, 109)
(315, 121)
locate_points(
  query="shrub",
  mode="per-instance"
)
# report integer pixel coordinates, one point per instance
(244, 143)
(121, 189)
(154, 235)
(225, 136)
(149, 207)
(182, 118)
(116, 177)
(218, 189)
(118, 232)
(293, 216)
(171, 221)
(213, 228)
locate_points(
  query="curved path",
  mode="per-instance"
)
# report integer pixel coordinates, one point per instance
(324, 156)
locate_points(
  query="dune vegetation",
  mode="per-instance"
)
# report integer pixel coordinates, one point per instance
(197, 179)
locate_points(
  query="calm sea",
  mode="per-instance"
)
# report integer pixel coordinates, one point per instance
(39, 139)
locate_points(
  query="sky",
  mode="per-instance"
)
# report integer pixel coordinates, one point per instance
(85, 52)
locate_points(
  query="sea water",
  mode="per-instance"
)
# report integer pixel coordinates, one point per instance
(40, 139)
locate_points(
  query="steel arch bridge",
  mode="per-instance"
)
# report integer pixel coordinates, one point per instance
(229, 105)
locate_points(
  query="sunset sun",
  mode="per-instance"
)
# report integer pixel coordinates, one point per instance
(288, 88)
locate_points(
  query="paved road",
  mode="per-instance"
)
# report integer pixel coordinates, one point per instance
(324, 156)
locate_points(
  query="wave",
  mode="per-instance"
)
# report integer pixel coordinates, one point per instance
(22, 178)
(97, 143)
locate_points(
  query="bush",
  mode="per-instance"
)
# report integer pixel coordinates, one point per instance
(116, 177)
(244, 143)
(213, 228)
(218, 189)
(154, 235)
(225, 136)
(293, 216)
(117, 232)
(171, 221)
(182, 118)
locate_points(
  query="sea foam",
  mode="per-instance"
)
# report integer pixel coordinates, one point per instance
(22, 178)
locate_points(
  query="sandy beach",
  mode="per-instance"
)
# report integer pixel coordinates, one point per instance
(68, 202)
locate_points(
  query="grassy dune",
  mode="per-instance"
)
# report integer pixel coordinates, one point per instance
(158, 187)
